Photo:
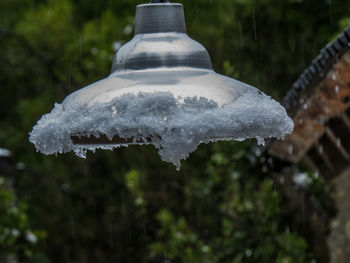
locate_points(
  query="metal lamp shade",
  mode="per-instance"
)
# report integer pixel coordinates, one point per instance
(162, 60)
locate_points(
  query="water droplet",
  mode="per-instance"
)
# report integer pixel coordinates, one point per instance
(334, 76)
(290, 149)
(257, 152)
(305, 106)
(117, 45)
(20, 166)
(248, 253)
(338, 142)
(31, 237)
(128, 29)
(282, 180)
(336, 88)
(320, 149)
(94, 50)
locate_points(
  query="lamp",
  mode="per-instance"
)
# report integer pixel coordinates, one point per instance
(162, 90)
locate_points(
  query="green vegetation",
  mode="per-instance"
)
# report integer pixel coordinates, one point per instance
(16, 237)
(127, 205)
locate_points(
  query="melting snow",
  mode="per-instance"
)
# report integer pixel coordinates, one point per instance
(177, 125)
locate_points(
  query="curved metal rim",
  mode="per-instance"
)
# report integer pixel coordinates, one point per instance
(159, 4)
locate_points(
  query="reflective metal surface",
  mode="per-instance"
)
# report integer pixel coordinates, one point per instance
(156, 50)
(160, 41)
(160, 58)
(159, 18)
(180, 81)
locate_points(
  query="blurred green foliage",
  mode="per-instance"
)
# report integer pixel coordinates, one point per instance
(127, 205)
(16, 237)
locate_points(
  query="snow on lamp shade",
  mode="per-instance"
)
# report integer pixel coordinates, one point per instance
(162, 91)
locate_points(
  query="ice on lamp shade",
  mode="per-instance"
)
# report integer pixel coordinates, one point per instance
(162, 91)
(173, 109)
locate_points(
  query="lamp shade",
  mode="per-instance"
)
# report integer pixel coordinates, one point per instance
(162, 91)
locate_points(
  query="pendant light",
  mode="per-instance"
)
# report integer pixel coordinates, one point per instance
(162, 90)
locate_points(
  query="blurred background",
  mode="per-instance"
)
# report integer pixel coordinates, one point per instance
(126, 205)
